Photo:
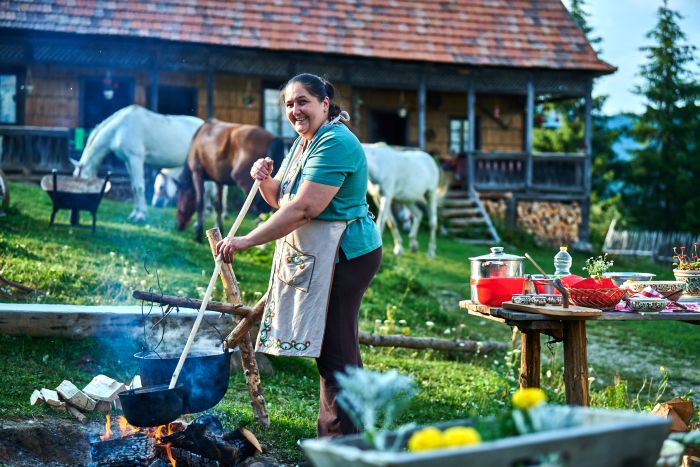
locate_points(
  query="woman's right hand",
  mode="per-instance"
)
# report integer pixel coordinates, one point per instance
(262, 169)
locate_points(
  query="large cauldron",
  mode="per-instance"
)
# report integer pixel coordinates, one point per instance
(204, 376)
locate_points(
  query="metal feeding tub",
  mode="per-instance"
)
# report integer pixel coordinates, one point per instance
(76, 194)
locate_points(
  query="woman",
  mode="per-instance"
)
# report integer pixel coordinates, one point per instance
(327, 249)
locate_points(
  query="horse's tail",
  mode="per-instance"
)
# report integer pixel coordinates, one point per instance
(275, 149)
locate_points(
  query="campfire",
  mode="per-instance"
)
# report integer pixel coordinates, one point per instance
(202, 443)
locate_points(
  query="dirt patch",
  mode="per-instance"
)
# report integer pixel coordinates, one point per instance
(47, 442)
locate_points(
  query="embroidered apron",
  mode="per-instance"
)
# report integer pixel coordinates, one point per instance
(294, 319)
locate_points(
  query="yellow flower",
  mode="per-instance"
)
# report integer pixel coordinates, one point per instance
(528, 398)
(460, 436)
(427, 438)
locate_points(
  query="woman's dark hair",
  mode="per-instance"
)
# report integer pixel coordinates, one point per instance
(318, 87)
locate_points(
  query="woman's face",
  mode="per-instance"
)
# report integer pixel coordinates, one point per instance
(305, 112)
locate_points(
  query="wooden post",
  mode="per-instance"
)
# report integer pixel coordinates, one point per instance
(529, 119)
(575, 362)
(530, 359)
(421, 112)
(250, 365)
(583, 235)
(210, 93)
(471, 140)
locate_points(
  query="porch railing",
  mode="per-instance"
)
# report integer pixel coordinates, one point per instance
(520, 172)
(27, 151)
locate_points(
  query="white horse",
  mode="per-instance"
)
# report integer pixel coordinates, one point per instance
(405, 176)
(165, 191)
(138, 136)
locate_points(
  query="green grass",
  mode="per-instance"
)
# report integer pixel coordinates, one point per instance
(72, 265)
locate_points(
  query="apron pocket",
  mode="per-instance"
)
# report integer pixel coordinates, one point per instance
(296, 268)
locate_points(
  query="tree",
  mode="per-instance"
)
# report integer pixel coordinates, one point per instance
(661, 183)
(568, 137)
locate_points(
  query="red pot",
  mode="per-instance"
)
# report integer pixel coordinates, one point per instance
(493, 291)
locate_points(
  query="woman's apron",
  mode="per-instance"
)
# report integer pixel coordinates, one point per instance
(294, 319)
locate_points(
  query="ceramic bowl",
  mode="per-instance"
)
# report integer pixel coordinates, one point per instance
(620, 278)
(648, 304)
(521, 299)
(674, 288)
(551, 299)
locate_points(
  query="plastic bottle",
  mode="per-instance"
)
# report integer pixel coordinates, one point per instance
(562, 263)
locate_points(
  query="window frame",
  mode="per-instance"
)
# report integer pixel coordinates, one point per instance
(20, 92)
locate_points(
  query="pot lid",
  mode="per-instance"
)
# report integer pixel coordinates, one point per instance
(497, 254)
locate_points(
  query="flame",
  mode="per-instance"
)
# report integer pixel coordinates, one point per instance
(170, 455)
(125, 429)
(108, 428)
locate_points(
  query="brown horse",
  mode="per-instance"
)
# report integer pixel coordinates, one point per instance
(222, 152)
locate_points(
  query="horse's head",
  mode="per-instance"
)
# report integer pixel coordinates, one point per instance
(186, 198)
(186, 204)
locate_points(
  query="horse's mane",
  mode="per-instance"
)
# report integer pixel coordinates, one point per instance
(97, 131)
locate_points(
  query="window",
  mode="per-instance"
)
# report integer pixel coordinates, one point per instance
(274, 118)
(459, 135)
(8, 98)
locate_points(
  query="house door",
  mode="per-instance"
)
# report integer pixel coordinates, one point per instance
(101, 99)
(386, 126)
(177, 100)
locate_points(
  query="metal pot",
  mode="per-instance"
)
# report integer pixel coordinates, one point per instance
(204, 376)
(152, 406)
(495, 264)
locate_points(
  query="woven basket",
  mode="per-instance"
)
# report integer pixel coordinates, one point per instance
(602, 299)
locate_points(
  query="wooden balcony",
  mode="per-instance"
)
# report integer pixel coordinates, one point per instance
(559, 175)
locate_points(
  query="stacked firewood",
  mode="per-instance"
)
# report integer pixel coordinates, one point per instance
(98, 395)
(496, 208)
(551, 223)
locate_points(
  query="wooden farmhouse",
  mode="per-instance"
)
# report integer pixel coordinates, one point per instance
(461, 79)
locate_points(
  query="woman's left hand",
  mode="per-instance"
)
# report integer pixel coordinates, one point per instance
(229, 245)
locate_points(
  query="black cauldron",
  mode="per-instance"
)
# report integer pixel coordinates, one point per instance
(152, 406)
(204, 376)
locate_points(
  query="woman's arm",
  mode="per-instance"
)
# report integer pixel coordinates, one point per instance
(311, 199)
(269, 189)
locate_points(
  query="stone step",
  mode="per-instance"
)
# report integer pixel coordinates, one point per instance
(457, 194)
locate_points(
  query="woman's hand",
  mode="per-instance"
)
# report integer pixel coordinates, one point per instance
(262, 169)
(229, 245)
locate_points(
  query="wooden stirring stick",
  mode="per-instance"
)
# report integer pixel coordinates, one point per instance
(537, 266)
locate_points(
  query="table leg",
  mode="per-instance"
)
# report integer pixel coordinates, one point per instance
(530, 359)
(575, 362)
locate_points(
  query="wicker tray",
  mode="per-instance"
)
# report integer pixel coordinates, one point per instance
(602, 299)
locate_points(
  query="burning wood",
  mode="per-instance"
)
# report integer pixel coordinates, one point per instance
(202, 443)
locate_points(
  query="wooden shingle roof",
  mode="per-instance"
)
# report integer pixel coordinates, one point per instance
(511, 33)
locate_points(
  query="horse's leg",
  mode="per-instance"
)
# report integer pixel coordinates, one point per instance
(432, 221)
(384, 210)
(134, 165)
(395, 233)
(218, 204)
(417, 214)
(198, 181)
(224, 202)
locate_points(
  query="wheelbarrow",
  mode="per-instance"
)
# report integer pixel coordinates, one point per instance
(76, 194)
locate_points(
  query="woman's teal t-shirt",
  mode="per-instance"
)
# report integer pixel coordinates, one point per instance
(336, 158)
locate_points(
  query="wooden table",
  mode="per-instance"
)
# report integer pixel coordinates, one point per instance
(572, 332)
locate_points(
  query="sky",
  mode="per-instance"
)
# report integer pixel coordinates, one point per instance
(623, 25)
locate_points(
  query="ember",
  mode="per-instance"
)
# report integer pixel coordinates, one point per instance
(203, 443)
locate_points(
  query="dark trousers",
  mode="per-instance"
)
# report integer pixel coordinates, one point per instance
(341, 345)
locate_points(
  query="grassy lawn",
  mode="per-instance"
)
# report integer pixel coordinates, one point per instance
(72, 265)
